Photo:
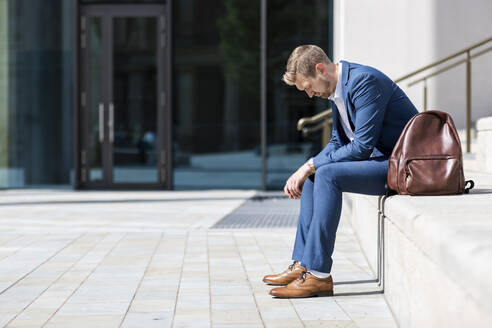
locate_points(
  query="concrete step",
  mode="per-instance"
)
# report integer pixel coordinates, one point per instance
(437, 253)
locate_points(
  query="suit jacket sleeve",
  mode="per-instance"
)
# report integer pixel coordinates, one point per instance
(370, 97)
(331, 146)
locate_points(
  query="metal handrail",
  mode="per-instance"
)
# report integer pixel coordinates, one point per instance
(313, 119)
(466, 61)
(446, 68)
(442, 60)
(325, 117)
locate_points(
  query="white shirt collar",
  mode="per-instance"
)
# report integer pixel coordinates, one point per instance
(338, 89)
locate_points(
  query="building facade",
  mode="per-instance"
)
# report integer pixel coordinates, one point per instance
(154, 94)
(399, 37)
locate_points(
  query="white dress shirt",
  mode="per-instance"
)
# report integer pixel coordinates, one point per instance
(337, 97)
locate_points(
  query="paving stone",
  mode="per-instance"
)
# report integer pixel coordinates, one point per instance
(148, 319)
(151, 259)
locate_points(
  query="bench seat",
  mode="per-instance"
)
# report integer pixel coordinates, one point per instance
(438, 254)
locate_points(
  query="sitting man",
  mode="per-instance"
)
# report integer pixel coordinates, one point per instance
(369, 114)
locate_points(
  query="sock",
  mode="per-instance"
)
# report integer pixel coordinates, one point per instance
(319, 274)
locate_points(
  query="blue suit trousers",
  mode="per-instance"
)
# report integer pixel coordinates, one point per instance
(321, 206)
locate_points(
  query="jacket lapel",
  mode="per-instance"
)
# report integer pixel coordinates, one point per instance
(345, 77)
(337, 124)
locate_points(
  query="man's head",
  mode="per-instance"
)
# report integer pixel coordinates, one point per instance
(310, 70)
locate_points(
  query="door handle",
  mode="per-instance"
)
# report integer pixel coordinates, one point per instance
(111, 122)
(101, 122)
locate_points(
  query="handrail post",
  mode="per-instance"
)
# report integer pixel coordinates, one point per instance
(425, 95)
(326, 133)
(468, 101)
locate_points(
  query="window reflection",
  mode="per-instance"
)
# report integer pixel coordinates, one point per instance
(217, 91)
(36, 98)
(120, 1)
(217, 105)
(216, 85)
(289, 24)
(135, 95)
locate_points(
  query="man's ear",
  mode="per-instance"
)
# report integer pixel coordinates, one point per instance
(320, 68)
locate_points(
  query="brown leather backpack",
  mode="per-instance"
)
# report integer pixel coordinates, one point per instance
(427, 158)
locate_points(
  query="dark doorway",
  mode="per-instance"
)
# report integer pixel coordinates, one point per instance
(124, 120)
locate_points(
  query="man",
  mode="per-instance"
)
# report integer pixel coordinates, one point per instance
(369, 114)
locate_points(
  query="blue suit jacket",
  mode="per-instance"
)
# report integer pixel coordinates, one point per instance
(379, 110)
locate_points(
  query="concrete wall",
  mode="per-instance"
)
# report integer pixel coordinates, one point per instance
(400, 36)
(423, 285)
(364, 219)
(421, 293)
(484, 141)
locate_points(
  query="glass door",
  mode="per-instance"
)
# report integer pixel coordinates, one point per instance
(123, 112)
(133, 112)
(93, 99)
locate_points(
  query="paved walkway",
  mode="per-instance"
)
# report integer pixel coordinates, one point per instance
(149, 259)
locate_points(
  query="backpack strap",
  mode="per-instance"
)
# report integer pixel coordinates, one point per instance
(472, 184)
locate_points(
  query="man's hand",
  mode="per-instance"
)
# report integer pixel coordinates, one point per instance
(293, 186)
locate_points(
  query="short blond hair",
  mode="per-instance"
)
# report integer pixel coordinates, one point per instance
(303, 60)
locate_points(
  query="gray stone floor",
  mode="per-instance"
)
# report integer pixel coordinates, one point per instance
(150, 259)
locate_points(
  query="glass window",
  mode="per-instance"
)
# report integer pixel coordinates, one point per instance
(216, 86)
(88, 2)
(217, 94)
(135, 100)
(36, 98)
(290, 24)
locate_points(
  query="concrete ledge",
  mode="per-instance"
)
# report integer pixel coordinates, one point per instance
(484, 141)
(484, 124)
(438, 252)
(364, 217)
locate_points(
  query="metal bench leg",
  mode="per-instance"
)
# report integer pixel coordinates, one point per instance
(383, 216)
(379, 259)
(380, 241)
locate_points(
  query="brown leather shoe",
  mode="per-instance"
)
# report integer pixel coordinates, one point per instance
(306, 285)
(286, 277)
